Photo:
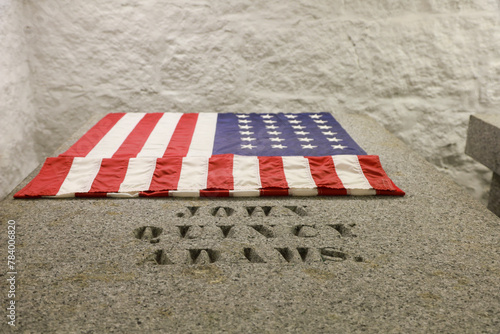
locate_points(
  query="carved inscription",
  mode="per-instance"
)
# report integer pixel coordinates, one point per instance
(249, 211)
(247, 234)
(189, 211)
(222, 212)
(148, 233)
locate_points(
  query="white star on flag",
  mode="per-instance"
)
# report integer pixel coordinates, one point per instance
(247, 139)
(290, 116)
(247, 133)
(335, 139)
(250, 146)
(306, 139)
(329, 133)
(300, 127)
(271, 127)
(274, 133)
(294, 121)
(320, 121)
(308, 146)
(244, 121)
(301, 133)
(278, 146)
(340, 147)
(316, 116)
(276, 139)
(266, 116)
(324, 127)
(242, 116)
(245, 126)
(269, 122)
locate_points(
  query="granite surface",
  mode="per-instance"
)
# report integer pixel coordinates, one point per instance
(426, 262)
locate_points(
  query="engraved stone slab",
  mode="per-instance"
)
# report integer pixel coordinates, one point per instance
(427, 262)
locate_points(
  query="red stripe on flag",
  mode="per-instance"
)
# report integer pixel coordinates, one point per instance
(220, 172)
(375, 174)
(49, 180)
(110, 176)
(90, 139)
(331, 192)
(182, 136)
(214, 193)
(324, 174)
(166, 175)
(274, 192)
(272, 174)
(154, 193)
(134, 142)
(91, 195)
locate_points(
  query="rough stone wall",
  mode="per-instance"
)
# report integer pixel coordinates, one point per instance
(420, 67)
(17, 113)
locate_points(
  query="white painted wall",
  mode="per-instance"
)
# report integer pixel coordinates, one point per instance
(18, 156)
(420, 67)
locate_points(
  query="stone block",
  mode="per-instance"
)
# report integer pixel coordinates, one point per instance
(483, 139)
(494, 199)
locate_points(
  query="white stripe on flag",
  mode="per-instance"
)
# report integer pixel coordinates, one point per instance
(139, 175)
(115, 137)
(80, 177)
(298, 176)
(244, 193)
(246, 173)
(350, 173)
(194, 173)
(184, 193)
(132, 194)
(202, 143)
(159, 138)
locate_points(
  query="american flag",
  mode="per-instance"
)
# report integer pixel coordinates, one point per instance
(212, 154)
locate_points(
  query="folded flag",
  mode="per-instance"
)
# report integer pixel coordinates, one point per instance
(210, 154)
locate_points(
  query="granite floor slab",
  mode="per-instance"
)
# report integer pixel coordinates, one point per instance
(426, 262)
